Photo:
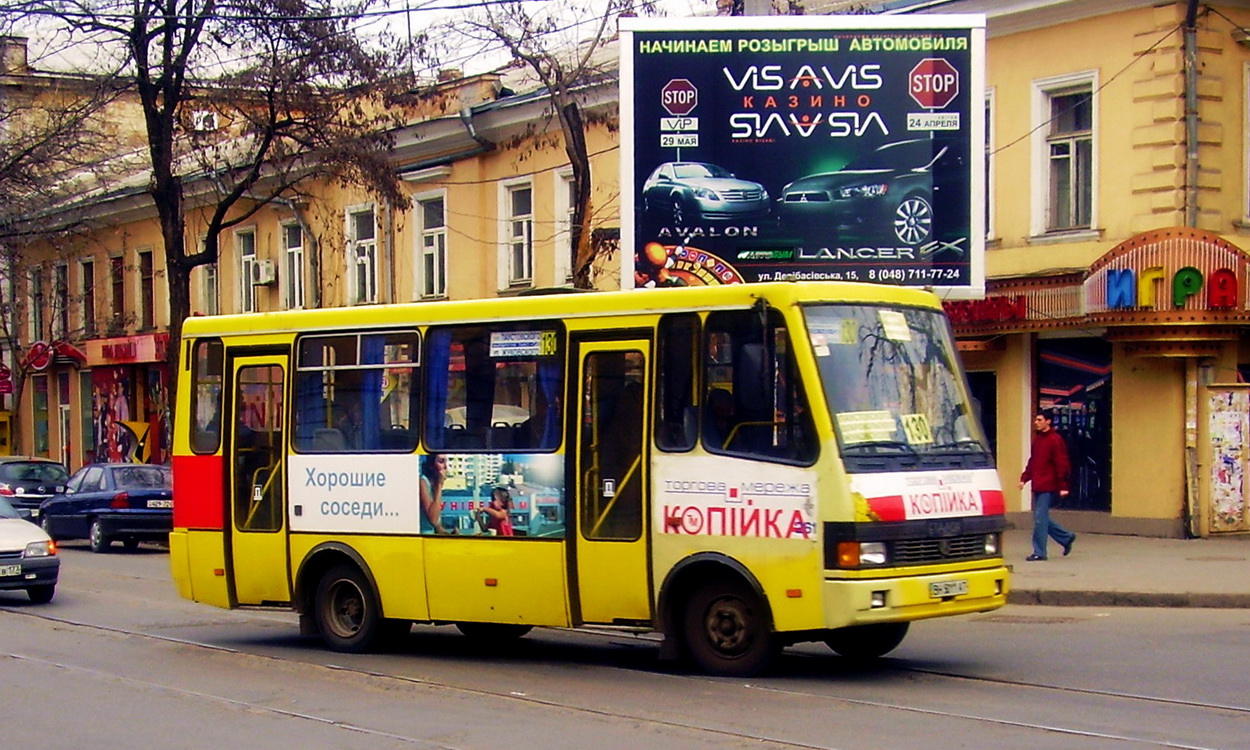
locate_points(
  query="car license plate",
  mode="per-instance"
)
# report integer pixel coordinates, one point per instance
(10, 570)
(160, 503)
(943, 589)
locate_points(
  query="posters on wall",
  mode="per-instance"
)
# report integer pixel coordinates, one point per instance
(1229, 423)
(810, 148)
(122, 433)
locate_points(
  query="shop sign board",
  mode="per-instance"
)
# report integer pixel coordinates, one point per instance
(1175, 268)
(764, 148)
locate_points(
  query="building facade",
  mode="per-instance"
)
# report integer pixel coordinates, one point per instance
(1116, 256)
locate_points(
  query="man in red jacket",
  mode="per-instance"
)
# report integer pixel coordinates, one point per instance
(1048, 469)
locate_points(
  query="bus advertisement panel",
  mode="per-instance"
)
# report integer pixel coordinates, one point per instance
(811, 148)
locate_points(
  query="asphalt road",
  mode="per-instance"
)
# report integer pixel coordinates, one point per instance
(117, 660)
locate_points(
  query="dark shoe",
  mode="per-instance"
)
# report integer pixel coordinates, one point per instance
(1034, 558)
(1067, 548)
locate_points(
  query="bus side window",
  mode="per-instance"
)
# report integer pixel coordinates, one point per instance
(676, 365)
(754, 404)
(207, 371)
(355, 393)
(494, 388)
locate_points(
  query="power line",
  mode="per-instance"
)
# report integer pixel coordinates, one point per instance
(1082, 100)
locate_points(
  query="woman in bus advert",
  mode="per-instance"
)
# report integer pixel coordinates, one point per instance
(433, 474)
(497, 512)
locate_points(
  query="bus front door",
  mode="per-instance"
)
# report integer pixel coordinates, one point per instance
(611, 571)
(257, 546)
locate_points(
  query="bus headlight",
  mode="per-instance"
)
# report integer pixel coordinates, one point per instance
(861, 554)
(992, 545)
(872, 553)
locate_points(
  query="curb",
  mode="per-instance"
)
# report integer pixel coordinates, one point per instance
(1054, 598)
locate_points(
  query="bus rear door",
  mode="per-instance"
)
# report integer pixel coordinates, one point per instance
(611, 546)
(257, 548)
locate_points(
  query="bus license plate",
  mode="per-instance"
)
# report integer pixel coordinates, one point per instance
(10, 570)
(943, 589)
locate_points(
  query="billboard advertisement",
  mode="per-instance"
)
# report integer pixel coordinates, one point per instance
(764, 148)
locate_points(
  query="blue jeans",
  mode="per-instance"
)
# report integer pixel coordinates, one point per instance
(1044, 527)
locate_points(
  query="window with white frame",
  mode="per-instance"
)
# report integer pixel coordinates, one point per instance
(245, 249)
(147, 290)
(210, 288)
(519, 204)
(86, 278)
(60, 301)
(293, 266)
(117, 294)
(362, 255)
(36, 304)
(566, 201)
(989, 164)
(1067, 108)
(432, 264)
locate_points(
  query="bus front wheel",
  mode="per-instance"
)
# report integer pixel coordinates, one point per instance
(866, 642)
(347, 610)
(727, 630)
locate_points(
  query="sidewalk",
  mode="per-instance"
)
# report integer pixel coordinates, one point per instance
(1132, 571)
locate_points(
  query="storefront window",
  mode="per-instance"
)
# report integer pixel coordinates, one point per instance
(87, 437)
(1074, 383)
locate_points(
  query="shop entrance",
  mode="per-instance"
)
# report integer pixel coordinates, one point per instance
(983, 387)
(1074, 382)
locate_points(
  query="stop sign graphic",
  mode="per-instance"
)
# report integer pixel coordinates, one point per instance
(679, 97)
(933, 83)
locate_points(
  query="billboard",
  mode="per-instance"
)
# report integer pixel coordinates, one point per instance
(763, 148)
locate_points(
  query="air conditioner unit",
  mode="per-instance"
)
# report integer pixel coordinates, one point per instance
(203, 121)
(263, 273)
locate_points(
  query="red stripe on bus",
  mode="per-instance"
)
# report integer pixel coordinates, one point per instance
(198, 492)
(888, 508)
(992, 503)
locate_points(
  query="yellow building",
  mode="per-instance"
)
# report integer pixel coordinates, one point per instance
(1118, 176)
(1116, 261)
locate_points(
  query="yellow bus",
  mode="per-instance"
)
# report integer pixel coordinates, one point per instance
(738, 468)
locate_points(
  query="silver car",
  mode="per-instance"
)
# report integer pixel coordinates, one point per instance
(690, 192)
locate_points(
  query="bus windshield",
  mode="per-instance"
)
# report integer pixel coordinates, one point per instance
(892, 381)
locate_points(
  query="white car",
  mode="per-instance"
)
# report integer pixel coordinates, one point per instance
(28, 558)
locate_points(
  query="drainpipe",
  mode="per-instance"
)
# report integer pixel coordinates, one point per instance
(1191, 114)
(466, 117)
(1190, 511)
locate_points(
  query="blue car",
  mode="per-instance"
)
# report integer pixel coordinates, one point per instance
(104, 503)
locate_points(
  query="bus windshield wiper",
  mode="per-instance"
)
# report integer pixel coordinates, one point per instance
(962, 445)
(880, 446)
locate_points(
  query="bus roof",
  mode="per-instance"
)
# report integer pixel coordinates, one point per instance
(564, 306)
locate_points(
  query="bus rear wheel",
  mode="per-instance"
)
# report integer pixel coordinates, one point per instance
(727, 632)
(347, 610)
(866, 642)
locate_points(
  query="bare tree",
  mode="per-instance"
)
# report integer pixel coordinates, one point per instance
(562, 43)
(52, 139)
(301, 97)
